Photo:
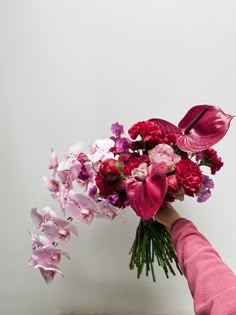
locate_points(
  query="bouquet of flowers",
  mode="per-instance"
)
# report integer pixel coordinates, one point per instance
(157, 163)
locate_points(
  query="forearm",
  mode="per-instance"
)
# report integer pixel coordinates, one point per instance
(210, 281)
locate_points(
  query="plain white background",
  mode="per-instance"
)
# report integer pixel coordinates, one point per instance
(68, 70)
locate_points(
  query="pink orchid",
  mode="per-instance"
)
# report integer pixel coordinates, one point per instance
(54, 162)
(51, 184)
(46, 260)
(56, 229)
(164, 153)
(40, 240)
(100, 151)
(146, 196)
(84, 208)
(106, 210)
(81, 207)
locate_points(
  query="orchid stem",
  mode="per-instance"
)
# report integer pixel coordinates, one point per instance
(193, 123)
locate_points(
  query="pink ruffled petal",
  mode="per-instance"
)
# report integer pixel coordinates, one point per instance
(146, 196)
(209, 129)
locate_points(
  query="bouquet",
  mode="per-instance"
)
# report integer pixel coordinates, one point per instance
(157, 162)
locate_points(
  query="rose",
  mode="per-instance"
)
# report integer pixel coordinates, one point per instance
(164, 153)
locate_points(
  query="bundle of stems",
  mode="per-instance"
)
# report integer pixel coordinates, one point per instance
(152, 241)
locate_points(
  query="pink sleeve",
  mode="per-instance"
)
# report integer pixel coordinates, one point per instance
(211, 282)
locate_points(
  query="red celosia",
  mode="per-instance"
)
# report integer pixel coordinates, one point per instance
(146, 129)
(189, 176)
(210, 158)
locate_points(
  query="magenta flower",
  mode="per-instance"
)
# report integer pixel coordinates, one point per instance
(122, 145)
(117, 129)
(146, 196)
(56, 229)
(205, 192)
(202, 127)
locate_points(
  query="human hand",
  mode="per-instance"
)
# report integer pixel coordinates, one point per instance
(167, 216)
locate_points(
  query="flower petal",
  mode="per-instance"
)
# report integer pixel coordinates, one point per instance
(207, 131)
(165, 126)
(146, 196)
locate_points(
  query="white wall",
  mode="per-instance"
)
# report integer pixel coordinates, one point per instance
(68, 70)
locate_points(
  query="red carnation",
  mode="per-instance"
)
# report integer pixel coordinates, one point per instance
(189, 176)
(210, 158)
(146, 129)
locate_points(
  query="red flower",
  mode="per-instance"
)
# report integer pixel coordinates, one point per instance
(111, 169)
(108, 188)
(146, 129)
(189, 176)
(210, 158)
(173, 184)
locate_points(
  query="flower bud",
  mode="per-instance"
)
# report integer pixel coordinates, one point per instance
(111, 170)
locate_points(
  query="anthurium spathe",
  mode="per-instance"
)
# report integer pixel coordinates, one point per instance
(147, 195)
(202, 127)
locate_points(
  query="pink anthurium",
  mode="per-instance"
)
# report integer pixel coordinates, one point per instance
(202, 127)
(165, 126)
(146, 196)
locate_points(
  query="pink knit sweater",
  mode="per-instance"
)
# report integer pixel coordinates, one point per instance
(211, 282)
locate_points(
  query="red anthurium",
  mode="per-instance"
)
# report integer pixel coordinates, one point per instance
(202, 127)
(146, 196)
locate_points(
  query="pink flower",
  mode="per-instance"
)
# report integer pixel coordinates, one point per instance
(54, 162)
(140, 172)
(100, 151)
(51, 184)
(40, 240)
(106, 210)
(47, 260)
(164, 153)
(81, 207)
(56, 229)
